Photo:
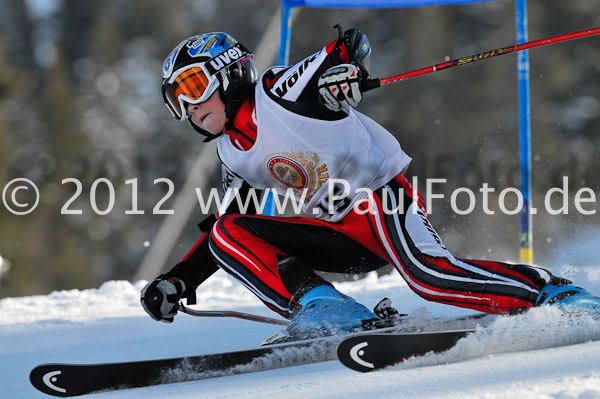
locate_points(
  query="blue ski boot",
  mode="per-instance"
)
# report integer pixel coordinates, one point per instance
(326, 311)
(562, 293)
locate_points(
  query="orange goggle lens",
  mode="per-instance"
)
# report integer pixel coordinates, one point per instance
(191, 83)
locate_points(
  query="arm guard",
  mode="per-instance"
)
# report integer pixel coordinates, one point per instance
(356, 47)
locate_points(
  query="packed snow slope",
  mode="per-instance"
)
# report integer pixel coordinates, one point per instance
(541, 354)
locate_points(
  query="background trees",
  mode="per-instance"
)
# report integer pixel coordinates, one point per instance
(80, 98)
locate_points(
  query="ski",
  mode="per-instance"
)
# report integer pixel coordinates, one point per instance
(66, 380)
(374, 351)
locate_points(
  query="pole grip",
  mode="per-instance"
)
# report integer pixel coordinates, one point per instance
(370, 84)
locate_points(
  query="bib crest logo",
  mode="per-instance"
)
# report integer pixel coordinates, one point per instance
(298, 171)
(287, 172)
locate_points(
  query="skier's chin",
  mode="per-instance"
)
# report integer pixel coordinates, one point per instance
(211, 126)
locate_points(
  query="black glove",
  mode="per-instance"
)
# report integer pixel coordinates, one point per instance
(160, 298)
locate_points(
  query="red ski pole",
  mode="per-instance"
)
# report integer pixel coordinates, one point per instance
(374, 83)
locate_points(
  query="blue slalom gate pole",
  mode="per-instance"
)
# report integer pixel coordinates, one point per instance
(284, 39)
(526, 250)
(282, 59)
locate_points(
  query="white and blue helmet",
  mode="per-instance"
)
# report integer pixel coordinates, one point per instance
(200, 65)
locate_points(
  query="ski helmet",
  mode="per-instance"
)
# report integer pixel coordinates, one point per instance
(200, 65)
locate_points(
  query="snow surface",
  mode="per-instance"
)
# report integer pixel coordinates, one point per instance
(542, 354)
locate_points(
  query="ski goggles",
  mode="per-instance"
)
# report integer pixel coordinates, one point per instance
(192, 84)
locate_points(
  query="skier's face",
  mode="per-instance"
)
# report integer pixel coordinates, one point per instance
(209, 115)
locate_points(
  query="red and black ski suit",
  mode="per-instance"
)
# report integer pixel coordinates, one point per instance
(276, 257)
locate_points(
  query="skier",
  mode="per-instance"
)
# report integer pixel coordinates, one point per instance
(294, 129)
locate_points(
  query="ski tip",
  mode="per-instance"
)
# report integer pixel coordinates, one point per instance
(373, 351)
(352, 355)
(47, 379)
